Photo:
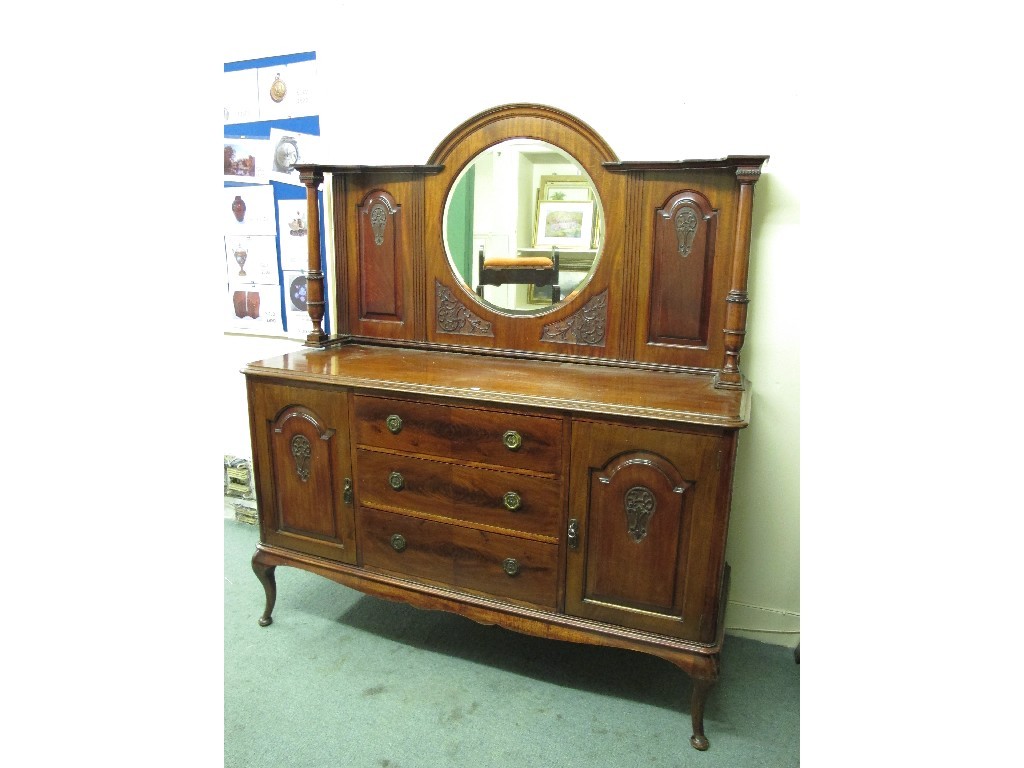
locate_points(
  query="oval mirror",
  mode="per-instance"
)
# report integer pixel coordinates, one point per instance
(522, 226)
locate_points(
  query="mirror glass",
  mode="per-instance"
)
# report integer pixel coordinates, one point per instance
(523, 226)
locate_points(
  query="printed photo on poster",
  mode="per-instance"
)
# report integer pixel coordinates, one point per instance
(255, 308)
(287, 90)
(295, 292)
(241, 96)
(251, 258)
(293, 234)
(249, 210)
(296, 308)
(246, 160)
(287, 149)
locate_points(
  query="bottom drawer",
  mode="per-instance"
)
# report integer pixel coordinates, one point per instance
(483, 562)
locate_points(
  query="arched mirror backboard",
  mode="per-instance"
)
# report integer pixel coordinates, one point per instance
(523, 226)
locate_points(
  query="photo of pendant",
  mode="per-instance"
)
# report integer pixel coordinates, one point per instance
(278, 89)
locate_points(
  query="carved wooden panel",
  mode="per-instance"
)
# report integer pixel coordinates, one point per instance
(380, 258)
(644, 504)
(637, 506)
(304, 477)
(454, 317)
(586, 326)
(303, 473)
(685, 229)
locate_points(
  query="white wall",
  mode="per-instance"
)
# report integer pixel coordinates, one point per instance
(658, 82)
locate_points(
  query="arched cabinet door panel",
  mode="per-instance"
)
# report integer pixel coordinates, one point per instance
(646, 506)
(304, 477)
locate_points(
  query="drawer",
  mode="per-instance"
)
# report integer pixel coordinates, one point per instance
(524, 503)
(479, 436)
(482, 562)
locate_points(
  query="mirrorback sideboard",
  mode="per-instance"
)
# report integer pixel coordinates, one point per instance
(557, 464)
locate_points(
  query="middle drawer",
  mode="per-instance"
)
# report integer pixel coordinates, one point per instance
(504, 500)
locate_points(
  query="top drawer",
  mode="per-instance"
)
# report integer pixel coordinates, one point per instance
(498, 438)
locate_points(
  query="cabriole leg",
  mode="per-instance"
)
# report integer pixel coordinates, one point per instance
(700, 694)
(265, 573)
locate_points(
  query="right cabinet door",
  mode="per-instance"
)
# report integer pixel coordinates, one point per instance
(648, 513)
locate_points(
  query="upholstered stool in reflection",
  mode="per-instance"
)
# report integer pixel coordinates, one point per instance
(520, 270)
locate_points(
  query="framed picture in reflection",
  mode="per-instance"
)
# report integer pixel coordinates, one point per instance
(564, 224)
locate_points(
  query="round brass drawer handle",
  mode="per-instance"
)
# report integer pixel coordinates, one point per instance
(398, 542)
(394, 422)
(512, 501)
(512, 440)
(511, 566)
(396, 481)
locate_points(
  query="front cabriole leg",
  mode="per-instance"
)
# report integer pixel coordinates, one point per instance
(265, 573)
(700, 694)
(703, 671)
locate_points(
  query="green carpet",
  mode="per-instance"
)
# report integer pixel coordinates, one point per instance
(344, 679)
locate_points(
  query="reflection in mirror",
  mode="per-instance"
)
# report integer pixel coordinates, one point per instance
(522, 226)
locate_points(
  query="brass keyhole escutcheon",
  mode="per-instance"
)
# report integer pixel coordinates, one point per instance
(511, 566)
(394, 422)
(512, 501)
(398, 542)
(396, 481)
(347, 491)
(512, 440)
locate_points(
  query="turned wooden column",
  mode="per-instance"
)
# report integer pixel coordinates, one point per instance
(729, 376)
(313, 178)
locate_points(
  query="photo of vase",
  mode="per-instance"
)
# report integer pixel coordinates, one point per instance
(252, 305)
(238, 208)
(240, 256)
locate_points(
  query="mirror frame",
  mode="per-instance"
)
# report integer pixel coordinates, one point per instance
(570, 255)
(447, 293)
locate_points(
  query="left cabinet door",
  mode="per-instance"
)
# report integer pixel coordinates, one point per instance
(303, 467)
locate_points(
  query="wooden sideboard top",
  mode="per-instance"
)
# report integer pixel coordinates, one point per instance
(564, 386)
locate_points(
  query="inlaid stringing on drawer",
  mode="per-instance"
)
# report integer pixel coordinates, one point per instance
(479, 561)
(472, 435)
(514, 502)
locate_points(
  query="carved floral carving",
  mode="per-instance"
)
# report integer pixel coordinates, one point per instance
(686, 229)
(640, 504)
(378, 221)
(301, 451)
(453, 317)
(587, 326)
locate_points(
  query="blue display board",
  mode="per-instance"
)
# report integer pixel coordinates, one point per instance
(270, 117)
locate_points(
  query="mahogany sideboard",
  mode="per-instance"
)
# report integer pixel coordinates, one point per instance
(562, 469)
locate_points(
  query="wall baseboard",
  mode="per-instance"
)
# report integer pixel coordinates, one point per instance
(766, 625)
